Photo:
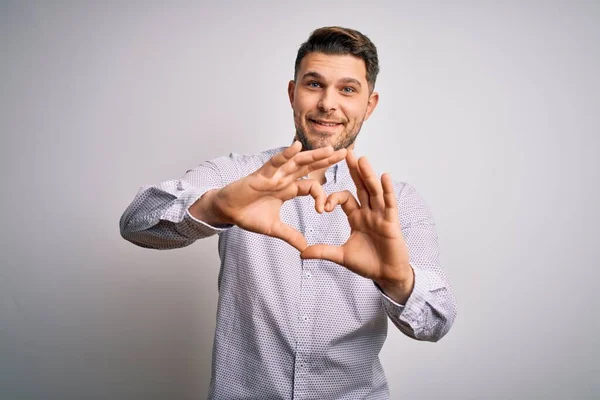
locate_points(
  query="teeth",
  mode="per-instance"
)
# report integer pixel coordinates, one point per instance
(322, 123)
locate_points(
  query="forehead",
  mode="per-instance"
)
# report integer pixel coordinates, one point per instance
(334, 66)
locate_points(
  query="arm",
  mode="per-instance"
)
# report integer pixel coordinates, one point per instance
(393, 243)
(176, 213)
(159, 216)
(430, 310)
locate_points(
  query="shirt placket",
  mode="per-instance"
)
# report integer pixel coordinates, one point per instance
(305, 317)
(306, 308)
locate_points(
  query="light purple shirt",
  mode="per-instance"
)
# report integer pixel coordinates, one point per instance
(289, 328)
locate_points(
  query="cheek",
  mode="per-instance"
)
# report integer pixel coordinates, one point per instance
(304, 103)
(356, 112)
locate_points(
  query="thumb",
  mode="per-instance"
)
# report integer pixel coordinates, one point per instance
(292, 236)
(324, 252)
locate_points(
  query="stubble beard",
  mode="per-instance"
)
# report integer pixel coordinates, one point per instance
(342, 142)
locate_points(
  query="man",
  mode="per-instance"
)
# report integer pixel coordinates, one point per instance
(305, 286)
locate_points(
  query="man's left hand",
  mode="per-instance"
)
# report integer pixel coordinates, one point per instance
(376, 247)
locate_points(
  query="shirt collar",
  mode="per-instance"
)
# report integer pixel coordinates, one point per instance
(337, 172)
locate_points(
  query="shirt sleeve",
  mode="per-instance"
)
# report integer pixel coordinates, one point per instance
(158, 217)
(430, 310)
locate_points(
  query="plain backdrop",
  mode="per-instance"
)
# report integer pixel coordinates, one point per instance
(490, 109)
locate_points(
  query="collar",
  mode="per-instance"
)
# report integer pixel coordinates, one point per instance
(337, 172)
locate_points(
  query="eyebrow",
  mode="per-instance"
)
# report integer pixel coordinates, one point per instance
(314, 74)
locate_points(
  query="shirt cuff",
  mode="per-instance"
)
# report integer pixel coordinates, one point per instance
(412, 311)
(203, 226)
(190, 226)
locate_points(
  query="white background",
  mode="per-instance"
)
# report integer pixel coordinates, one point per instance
(490, 109)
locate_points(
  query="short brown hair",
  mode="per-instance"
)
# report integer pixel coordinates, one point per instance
(338, 40)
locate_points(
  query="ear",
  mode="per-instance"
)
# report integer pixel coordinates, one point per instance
(291, 89)
(373, 100)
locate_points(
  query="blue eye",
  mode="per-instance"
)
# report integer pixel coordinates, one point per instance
(314, 84)
(349, 89)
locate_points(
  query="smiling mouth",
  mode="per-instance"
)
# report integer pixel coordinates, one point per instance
(325, 123)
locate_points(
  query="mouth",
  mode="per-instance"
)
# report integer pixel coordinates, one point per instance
(325, 125)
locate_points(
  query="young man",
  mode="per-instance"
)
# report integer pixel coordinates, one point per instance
(305, 286)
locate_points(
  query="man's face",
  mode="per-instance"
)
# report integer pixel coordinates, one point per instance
(330, 99)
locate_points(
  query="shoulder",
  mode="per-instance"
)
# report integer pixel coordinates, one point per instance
(412, 207)
(236, 165)
(251, 160)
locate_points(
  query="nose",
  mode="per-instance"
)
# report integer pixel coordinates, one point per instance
(327, 102)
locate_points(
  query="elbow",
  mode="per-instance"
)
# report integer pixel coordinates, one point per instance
(148, 241)
(135, 236)
(443, 325)
(128, 233)
(438, 335)
(156, 237)
(125, 227)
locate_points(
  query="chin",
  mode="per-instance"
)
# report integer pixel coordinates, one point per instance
(316, 142)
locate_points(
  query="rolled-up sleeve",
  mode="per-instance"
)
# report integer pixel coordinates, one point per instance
(431, 308)
(158, 216)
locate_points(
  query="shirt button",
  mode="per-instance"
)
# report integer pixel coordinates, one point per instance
(304, 318)
(308, 275)
(311, 229)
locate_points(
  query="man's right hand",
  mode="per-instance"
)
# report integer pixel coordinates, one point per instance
(253, 202)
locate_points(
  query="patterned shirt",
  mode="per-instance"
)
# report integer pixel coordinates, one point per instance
(289, 328)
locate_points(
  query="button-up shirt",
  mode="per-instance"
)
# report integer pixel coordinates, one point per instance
(289, 328)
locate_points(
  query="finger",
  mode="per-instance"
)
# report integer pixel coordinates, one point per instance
(289, 234)
(308, 157)
(345, 199)
(336, 157)
(391, 204)
(314, 188)
(281, 158)
(304, 158)
(372, 184)
(324, 252)
(302, 164)
(361, 190)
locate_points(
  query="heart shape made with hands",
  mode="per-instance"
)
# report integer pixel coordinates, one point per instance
(375, 249)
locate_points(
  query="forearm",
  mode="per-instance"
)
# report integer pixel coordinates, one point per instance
(430, 310)
(400, 291)
(159, 217)
(205, 209)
